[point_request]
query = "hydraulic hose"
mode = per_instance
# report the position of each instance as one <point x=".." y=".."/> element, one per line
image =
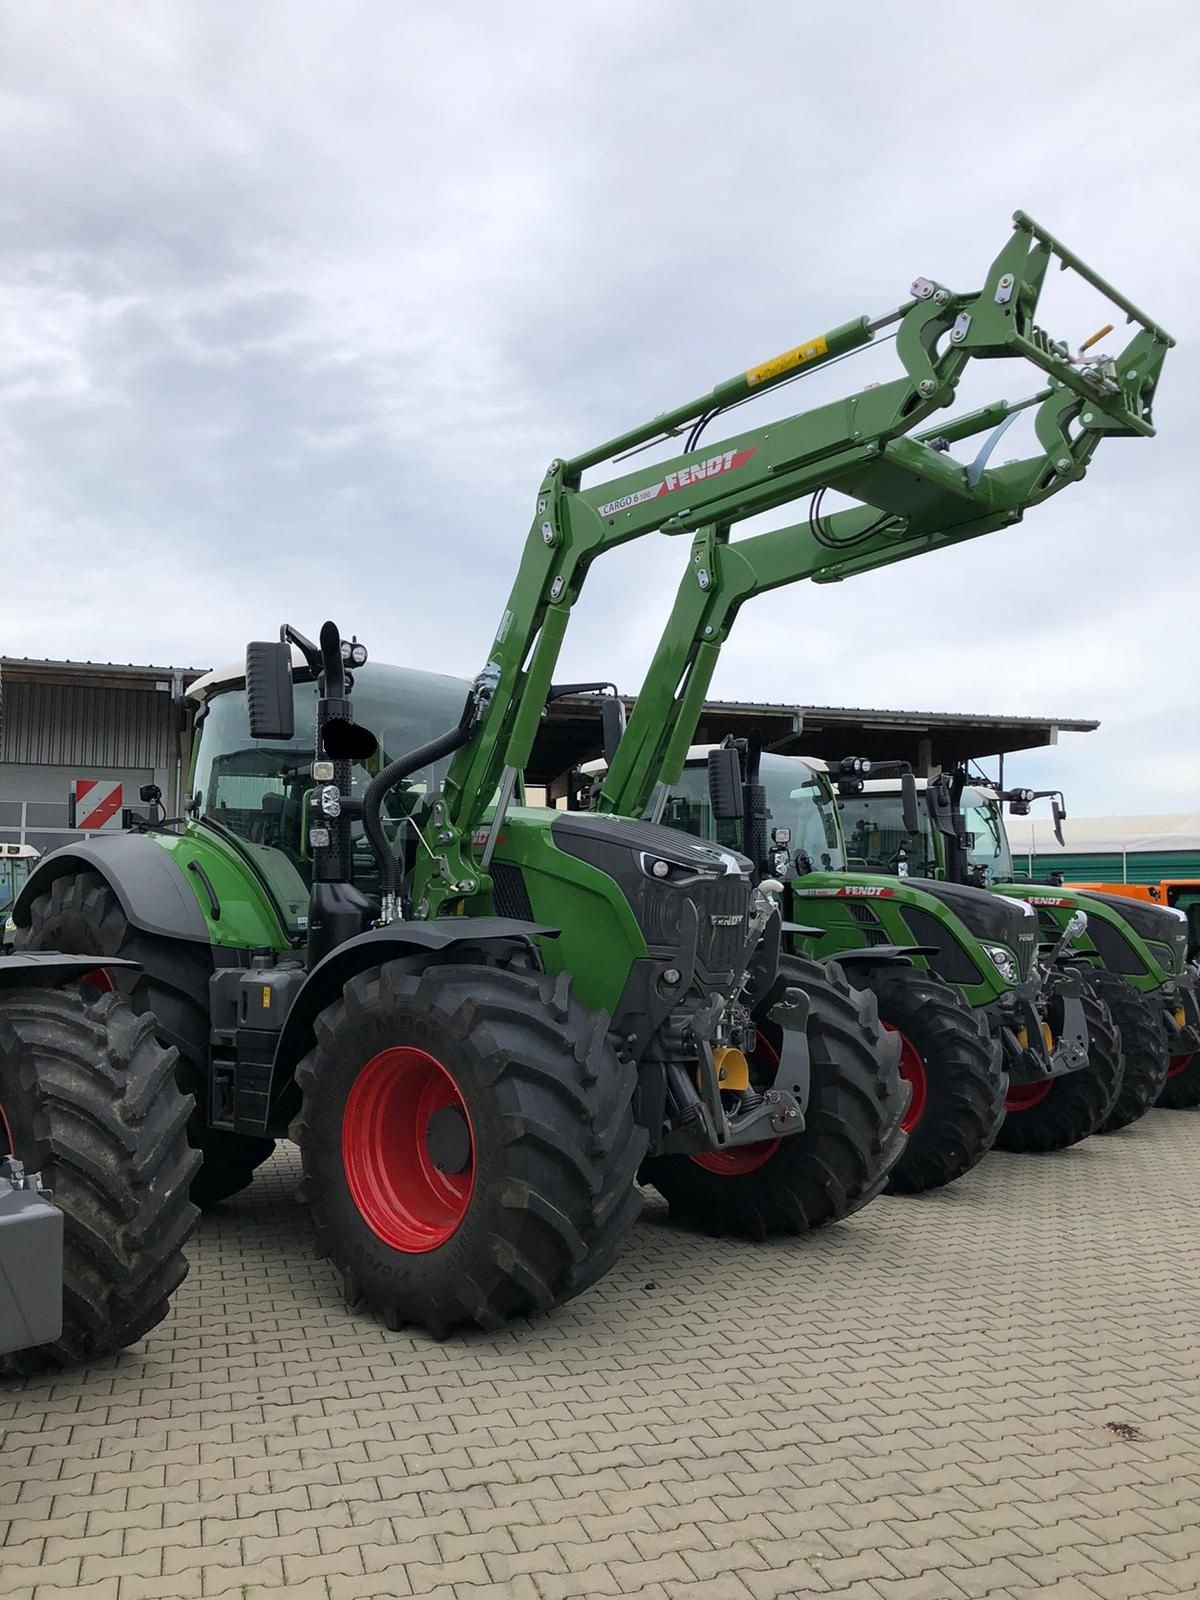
<point x="445" y="744"/>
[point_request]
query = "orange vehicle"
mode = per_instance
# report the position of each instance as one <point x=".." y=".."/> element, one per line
<point x="1183" y="1081"/>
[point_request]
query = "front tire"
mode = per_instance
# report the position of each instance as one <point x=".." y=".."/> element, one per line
<point x="80" y="915"/>
<point x="1063" y="1111"/>
<point x="468" y="1143"/>
<point x="88" y="1098"/>
<point x="1139" y="1022"/>
<point x="1181" y="1091"/>
<point x="852" y="1136"/>
<point x="955" y="1071"/>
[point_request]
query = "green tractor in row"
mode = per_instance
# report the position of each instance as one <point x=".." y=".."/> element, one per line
<point x="985" y="1019"/>
<point x="1135" y="953"/>
<point x="484" y="1022"/>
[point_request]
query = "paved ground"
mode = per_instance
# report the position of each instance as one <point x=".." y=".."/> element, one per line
<point x="991" y="1391"/>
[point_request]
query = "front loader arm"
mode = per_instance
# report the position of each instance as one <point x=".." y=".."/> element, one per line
<point x="912" y="497"/>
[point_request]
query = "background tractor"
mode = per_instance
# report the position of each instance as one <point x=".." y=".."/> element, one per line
<point x="983" y="1025"/>
<point x="1136" y="954"/>
<point x="1182" y="1087"/>
<point x="481" y="1020"/>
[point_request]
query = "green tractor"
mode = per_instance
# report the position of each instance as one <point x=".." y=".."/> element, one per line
<point x="482" y="1021"/>
<point x="1134" y="954"/>
<point x="982" y="1023"/>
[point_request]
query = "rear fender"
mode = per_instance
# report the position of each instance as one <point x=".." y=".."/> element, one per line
<point x="433" y="940"/>
<point x="48" y="968"/>
<point x="152" y="891"/>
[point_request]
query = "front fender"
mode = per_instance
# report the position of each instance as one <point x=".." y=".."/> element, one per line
<point x="324" y="984"/>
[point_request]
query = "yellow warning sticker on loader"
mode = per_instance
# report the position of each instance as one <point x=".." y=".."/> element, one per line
<point x="789" y="359"/>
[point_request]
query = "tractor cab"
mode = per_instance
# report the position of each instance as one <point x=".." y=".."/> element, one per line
<point x="259" y="790"/>
<point x="17" y="861"/>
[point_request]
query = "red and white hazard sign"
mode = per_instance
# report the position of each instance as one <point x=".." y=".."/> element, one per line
<point x="96" y="803"/>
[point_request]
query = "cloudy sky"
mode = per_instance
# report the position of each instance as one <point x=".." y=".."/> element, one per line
<point x="298" y="299"/>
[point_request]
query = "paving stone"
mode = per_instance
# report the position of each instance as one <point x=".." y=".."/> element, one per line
<point x="917" y="1405"/>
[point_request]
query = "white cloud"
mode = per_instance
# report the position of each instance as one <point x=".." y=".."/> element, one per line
<point x="296" y="301"/>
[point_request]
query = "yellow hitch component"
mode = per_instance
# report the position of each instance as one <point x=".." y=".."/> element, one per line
<point x="733" y="1070"/>
<point x="1048" y="1036"/>
<point x="1023" y="1038"/>
<point x="1180" y="1015"/>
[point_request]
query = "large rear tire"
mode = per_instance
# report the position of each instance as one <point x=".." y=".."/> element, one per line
<point x="852" y="1136"/>
<point x="1063" y="1111"/>
<point x="1139" y="1022"/>
<point x="954" y="1069"/>
<point x="468" y="1143"/>
<point x="88" y="1098"/>
<point x="80" y="915"/>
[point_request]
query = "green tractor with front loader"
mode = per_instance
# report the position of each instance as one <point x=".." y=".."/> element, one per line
<point x="483" y="1021"/>
<point x="1134" y="955"/>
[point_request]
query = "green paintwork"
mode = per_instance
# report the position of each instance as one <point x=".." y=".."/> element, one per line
<point x="1063" y="903"/>
<point x="914" y="498"/>
<point x="814" y="904"/>
<point x="249" y="920"/>
<point x="600" y="937"/>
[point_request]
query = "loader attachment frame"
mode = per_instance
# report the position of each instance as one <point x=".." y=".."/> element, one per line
<point x="871" y="446"/>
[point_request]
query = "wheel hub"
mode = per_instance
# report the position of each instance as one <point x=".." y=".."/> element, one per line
<point x="448" y="1140"/>
<point x="1024" y="1096"/>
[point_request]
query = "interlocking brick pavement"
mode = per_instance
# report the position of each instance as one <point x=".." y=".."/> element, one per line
<point x="919" y="1404"/>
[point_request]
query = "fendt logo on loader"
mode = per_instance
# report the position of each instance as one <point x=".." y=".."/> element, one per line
<point x="727" y="461"/>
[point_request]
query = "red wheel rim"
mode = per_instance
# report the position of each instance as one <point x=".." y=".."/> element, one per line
<point x="744" y="1158"/>
<point x="912" y="1070"/>
<point x="1023" y="1096"/>
<point x="1180" y="1064"/>
<point x="403" y="1196"/>
<point x="97" y="978"/>
<point x="8" y="1145"/>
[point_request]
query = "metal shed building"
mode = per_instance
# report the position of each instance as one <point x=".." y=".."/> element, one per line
<point x="78" y="739"/>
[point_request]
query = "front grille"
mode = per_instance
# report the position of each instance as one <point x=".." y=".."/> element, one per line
<point x="659" y="908"/>
<point x="509" y="892"/>
<point x="951" y="963"/>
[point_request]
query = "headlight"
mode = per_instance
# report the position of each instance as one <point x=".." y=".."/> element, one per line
<point x="1004" y="962"/>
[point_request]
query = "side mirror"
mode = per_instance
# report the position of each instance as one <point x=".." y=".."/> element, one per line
<point x="725" y="783"/>
<point x="1059" y="814"/>
<point x="269" y="690"/>
<point x="910" y="809"/>
<point x="612" y="721"/>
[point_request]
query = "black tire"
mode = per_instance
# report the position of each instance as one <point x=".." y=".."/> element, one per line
<point x="548" y="1106"/>
<point x="1181" y="1091"/>
<point x="958" y="1079"/>
<point x="80" y="915"/>
<point x="1076" y="1104"/>
<point x="1139" y="1021"/>
<point x="91" y="1101"/>
<point x="852" y="1136"/>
